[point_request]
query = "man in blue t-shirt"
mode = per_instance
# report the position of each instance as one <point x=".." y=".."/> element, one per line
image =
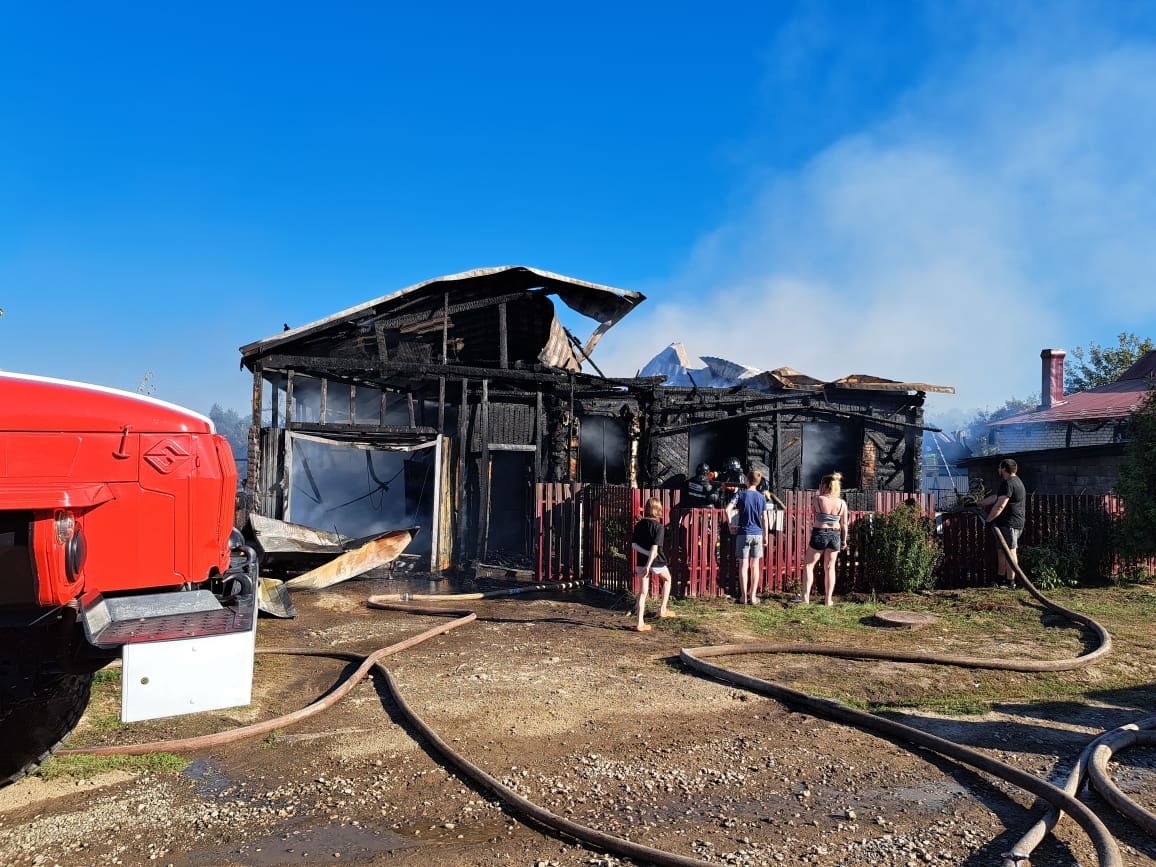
<point x="751" y="531"/>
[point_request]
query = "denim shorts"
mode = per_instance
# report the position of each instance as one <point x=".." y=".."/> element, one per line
<point x="1011" y="535"/>
<point x="749" y="546"/>
<point x="826" y="539"/>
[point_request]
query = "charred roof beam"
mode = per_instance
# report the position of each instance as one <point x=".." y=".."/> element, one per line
<point x="323" y="365"/>
<point x="670" y="431"/>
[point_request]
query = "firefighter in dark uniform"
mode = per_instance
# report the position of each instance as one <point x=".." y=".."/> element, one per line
<point x="700" y="492"/>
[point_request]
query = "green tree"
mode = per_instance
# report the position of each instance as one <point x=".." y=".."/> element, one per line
<point x="233" y="426"/>
<point x="1100" y="365"/>
<point x="1137" y="484"/>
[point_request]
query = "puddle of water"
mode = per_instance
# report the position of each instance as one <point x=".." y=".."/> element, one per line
<point x="312" y="845"/>
<point x="932" y="796"/>
<point x="383" y="582"/>
<point x="210" y="782"/>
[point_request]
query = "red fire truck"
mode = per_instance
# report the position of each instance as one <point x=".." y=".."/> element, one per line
<point x="116" y="539"/>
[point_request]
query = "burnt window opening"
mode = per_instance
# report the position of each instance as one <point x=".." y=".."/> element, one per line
<point x="829" y="447"/>
<point x="603" y="451"/>
<point x="508" y="540"/>
<point x="716" y="444"/>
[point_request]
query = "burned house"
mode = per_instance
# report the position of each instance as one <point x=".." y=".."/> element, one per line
<point x="443" y="404"/>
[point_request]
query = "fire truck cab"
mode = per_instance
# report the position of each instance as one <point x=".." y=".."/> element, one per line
<point x="116" y="540"/>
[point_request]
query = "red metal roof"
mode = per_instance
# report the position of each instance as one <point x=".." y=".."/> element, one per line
<point x="1118" y="399"/>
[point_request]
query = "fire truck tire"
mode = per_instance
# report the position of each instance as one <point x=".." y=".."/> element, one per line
<point x="34" y="726"/>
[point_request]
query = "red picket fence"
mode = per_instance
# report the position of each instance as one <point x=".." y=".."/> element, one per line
<point x="584" y="534"/>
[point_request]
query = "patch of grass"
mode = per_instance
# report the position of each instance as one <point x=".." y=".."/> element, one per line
<point x="107" y="677"/>
<point x="808" y="622"/>
<point x="82" y="767"/>
<point x="969" y="622"/>
<point x="961" y="705"/>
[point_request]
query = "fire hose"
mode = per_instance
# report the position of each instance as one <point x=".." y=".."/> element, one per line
<point x="520" y="805"/>
<point x="1060" y="800"/>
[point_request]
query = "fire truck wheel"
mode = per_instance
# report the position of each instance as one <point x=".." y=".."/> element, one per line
<point x="34" y="726"/>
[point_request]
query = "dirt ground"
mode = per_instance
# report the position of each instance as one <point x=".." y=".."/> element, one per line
<point x="555" y="696"/>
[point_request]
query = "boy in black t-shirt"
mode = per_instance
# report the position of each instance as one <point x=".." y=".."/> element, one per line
<point x="649" y="559"/>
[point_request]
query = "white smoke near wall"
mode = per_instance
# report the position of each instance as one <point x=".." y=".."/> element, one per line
<point x="1001" y="206"/>
<point x="360" y="492"/>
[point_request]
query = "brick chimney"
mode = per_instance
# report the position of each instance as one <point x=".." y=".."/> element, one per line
<point x="1052" y="383"/>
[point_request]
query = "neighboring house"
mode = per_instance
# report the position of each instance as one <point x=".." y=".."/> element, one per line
<point x="1069" y="444"/>
<point x="442" y="404"/>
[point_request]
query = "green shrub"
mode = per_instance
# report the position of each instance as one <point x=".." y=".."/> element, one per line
<point x="1052" y="566"/>
<point x="898" y="551"/>
<point x="1132" y="574"/>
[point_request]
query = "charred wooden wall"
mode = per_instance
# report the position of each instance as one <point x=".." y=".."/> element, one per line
<point x="873" y="438"/>
<point x="542" y="426"/>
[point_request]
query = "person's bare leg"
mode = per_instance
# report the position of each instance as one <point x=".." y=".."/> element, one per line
<point x="663" y="611"/>
<point x="809" y="573"/>
<point x="829" y="558"/>
<point x="744" y="570"/>
<point x="756" y="565"/>
<point x="641" y="610"/>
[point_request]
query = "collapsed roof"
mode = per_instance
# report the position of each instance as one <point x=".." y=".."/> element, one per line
<point x="674" y="363"/>
<point x="497" y="317"/>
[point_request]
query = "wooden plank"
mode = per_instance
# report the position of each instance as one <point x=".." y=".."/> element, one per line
<point x="373" y="554"/>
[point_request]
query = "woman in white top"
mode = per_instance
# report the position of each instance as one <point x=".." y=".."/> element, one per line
<point x="828" y="536"/>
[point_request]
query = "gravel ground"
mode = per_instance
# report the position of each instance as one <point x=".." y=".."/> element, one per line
<point x="556" y="698"/>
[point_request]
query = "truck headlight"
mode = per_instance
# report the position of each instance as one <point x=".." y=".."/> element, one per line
<point x="65" y="527"/>
<point x="68" y="534"/>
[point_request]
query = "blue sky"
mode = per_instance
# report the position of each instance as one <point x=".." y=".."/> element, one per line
<point x="916" y="190"/>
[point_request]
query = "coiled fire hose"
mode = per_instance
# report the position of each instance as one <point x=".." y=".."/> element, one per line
<point x="1060" y="800"/>
<point x="518" y="804"/>
<point x="1092" y="765"/>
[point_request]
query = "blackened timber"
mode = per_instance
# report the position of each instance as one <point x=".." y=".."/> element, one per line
<point x="539" y="420"/>
<point x="446" y="328"/>
<point x="463" y="439"/>
<point x="379" y="334"/>
<point x="419" y="434"/>
<point x="254" y="463"/>
<point x="503" y="342"/>
<point x="441" y="404"/>
<point x="776" y="472"/>
<point x="446" y="310"/>
<point x="483" y="545"/>
<point x="660" y="431"/>
<point x="364" y="366"/>
<point x="578" y="345"/>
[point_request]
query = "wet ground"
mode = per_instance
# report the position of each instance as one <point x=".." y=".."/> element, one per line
<point x="554" y="696"/>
